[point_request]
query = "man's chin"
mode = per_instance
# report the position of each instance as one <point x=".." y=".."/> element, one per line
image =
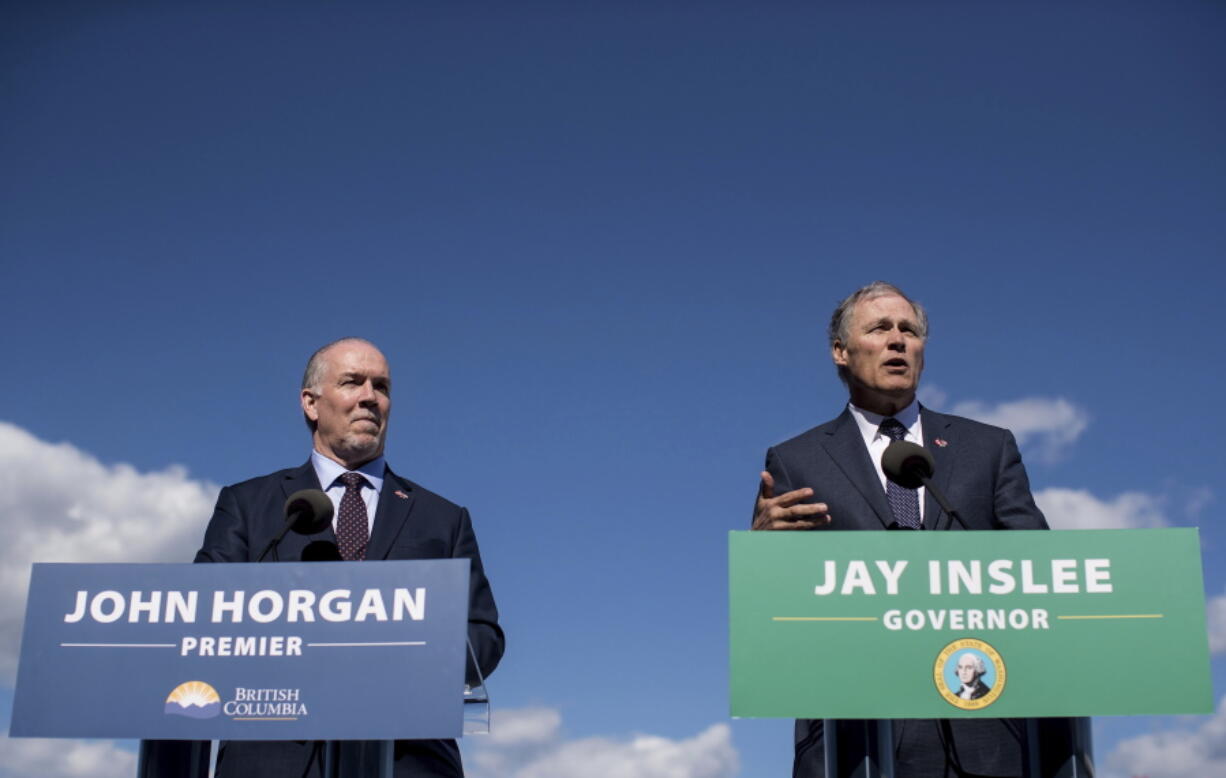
<point x="361" y="448"/>
<point x="899" y="386"/>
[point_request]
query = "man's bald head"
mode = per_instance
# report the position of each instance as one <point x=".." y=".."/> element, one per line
<point x="346" y="400"/>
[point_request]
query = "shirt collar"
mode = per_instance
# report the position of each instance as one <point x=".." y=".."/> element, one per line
<point x="328" y="471"/>
<point x="870" y="423"/>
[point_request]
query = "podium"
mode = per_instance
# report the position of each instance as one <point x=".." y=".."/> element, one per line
<point x="1045" y="628"/>
<point x="352" y="655"/>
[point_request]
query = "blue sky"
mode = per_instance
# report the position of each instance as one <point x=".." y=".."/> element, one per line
<point x="599" y="243"/>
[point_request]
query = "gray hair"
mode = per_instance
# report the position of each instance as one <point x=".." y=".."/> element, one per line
<point x="840" y="321"/>
<point x="314" y="373"/>
<point x="980" y="667"/>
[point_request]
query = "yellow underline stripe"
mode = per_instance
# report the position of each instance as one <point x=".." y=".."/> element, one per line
<point x="1117" y="616"/>
<point x="823" y="618"/>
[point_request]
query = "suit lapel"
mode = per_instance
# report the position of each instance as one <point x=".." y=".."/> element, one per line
<point x="846" y="447"/>
<point x="395" y="502"/>
<point x="936" y="428"/>
<point x="302" y="478"/>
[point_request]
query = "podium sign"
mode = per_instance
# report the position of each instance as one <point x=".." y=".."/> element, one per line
<point x="292" y="651"/>
<point x="967" y="624"/>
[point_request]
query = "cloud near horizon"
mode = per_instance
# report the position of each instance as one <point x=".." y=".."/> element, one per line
<point x="528" y="743"/>
<point x="1216" y="608"/>
<point x="1194" y="751"/>
<point x="54" y="758"/>
<point x="60" y="504"/>
<point x="1079" y="509"/>
<point x="1045" y="427"/>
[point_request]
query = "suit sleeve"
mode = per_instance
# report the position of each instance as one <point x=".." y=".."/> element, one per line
<point x="778" y="471"/>
<point x="486" y="637"/>
<point x="225" y="538"/>
<point x="1014" y="504"/>
<point x="783" y="482"/>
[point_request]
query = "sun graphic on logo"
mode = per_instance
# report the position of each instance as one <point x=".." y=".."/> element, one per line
<point x="194" y="699"/>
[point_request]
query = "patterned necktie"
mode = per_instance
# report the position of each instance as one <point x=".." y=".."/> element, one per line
<point x="904" y="502"/>
<point x="352" y="533"/>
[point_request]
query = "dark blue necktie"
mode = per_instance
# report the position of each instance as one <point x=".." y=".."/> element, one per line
<point x="904" y="502"/>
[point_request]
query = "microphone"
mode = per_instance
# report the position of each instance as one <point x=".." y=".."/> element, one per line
<point x="307" y="512"/>
<point x="911" y="466"/>
<point x="907" y="464"/>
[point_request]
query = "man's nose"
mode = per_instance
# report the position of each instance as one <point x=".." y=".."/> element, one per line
<point x="896" y="341"/>
<point x="367" y="395"/>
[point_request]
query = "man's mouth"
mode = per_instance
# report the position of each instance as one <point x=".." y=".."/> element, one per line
<point x="896" y="363"/>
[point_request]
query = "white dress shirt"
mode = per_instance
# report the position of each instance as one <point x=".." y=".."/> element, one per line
<point x="870" y="430"/>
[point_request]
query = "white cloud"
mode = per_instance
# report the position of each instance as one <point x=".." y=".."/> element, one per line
<point x="1196" y="751"/>
<point x="42" y="758"/>
<point x="524" y="727"/>
<point x="1044" y="426"/>
<point x="1078" y="509"/>
<point x="61" y="504"/>
<point x="527" y="743"/>
<point x="1216" y="611"/>
<point x="932" y="396"/>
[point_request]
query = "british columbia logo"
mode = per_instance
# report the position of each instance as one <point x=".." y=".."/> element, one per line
<point x="194" y="699"/>
<point x="198" y="700"/>
<point x="969" y="674"/>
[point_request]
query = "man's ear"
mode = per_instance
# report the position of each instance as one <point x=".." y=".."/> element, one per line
<point x="839" y="353"/>
<point x="307" y="399"/>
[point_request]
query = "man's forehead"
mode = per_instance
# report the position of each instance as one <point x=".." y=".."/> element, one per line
<point x="886" y="306"/>
<point x="355" y="356"/>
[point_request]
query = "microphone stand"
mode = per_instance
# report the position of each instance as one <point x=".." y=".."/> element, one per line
<point x="940" y="498"/>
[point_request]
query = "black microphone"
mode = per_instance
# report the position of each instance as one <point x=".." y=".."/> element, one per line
<point x="307" y="512"/>
<point x="911" y="466"/>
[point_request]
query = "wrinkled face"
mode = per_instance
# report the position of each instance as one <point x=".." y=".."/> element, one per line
<point x="350" y="405"/>
<point x="884" y="353"/>
<point x="966" y="669"/>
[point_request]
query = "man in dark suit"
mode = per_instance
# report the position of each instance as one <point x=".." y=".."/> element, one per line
<point x="830" y="478"/>
<point x="346" y="399"/>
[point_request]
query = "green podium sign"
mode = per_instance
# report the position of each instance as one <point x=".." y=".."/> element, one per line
<point x="967" y="624"/>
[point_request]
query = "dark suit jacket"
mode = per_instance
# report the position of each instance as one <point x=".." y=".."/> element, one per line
<point x="980" y="471"/>
<point x="417" y="525"/>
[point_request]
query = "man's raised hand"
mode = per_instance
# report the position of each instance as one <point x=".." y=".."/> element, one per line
<point x="786" y="511"/>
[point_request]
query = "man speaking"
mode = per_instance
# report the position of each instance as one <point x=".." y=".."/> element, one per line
<point x="346" y="399"/>
<point x="830" y="478"/>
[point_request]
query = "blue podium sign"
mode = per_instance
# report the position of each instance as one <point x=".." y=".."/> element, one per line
<point x="291" y="651"/>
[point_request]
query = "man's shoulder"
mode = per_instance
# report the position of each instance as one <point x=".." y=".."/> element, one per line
<point x="262" y="481"/>
<point x="421" y="494"/>
<point x="393" y="483"/>
<point x="935" y="422"/>
<point x="813" y="436"/>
